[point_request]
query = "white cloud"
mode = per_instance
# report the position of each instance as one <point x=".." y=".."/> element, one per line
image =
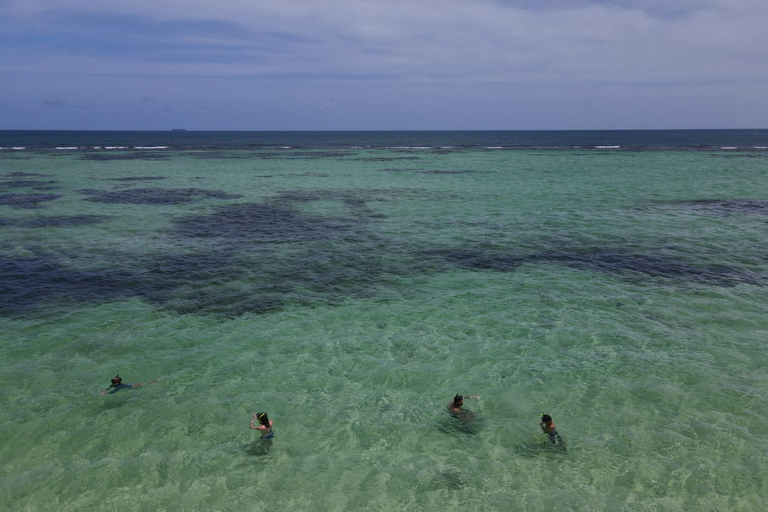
<point x="459" y="41"/>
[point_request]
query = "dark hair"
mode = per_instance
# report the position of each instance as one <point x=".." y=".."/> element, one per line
<point x="263" y="419"/>
<point x="457" y="399"/>
<point x="116" y="380"/>
<point x="546" y="418"/>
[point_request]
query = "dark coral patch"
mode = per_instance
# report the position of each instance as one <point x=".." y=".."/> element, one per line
<point x="255" y="278"/>
<point x="449" y="172"/>
<point x="385" y="158"/>
<point x="428" y="171"/>
<point x="479" y="259"/>
<point x="155" y="196"/>
<point x="26" y="175"/>
<point x="28" y="282"/>
<point x="627" y="263"/>
<point x="270" y="155"/>
<point x="221" y="282"/>
<point x="740" y="155"/>
<point x="280" y="220"/>
<point x="31" y="184"/>
<point x="108" y="157"/>
<point x="727" y="206"/>
<point x="207" y="283"/>
<point x="137" y="178"/>
<point x="356" y="201"/>
<point x="60" y="221"/>
<point x="260" y="222"/>
<point x="26" y="200"/>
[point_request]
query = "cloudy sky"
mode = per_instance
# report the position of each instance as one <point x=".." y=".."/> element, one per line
<point x="383" y="64"/>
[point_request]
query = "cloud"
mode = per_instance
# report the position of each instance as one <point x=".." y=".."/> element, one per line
<point x="53" y="102"/>
<point x="449" y="41"/>
<point x="622" y="48"/>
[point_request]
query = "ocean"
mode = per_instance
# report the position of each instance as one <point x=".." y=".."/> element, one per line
<point x="350" y="284"/>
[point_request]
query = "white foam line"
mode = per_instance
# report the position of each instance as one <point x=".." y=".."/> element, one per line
<point x="68" y="148"/>
<point x="151" y="147"/>
<point x="607" y="147"/>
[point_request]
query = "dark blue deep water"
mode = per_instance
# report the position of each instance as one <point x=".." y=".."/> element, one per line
<point x="178" y="140"/>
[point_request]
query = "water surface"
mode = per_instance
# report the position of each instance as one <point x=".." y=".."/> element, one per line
<point x="350" y="284"/>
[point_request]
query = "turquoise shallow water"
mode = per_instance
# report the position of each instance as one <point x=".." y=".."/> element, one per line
<point x="350" y="294"/>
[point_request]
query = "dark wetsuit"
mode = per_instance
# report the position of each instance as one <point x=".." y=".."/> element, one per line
<point x="460" y="413"/>
<point x="554" y="437"/>
<point x="114" y="389"/>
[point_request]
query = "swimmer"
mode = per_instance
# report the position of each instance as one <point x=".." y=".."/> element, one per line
<point x="117" y="385"/>
<point x="265" y="425"/>
<point x="548" y="426"/>
<point x="456" y="406"/>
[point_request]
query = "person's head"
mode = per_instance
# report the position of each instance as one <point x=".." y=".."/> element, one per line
<point x="546" y="418"/>
<point x="116" y="380"/>
<point x="458" y="400"/>
<point x="263" y="419"/>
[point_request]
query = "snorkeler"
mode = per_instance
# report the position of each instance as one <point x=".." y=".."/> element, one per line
<point x="456" y="406"/>
<point x="117" y="385"/>
<point x="548" y="426"/>
<point x="265" y="425"/>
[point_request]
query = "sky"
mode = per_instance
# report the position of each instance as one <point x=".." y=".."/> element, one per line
<point x="383" y="64"/>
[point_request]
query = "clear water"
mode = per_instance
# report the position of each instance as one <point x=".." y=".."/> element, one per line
<point x="350" y="287"/>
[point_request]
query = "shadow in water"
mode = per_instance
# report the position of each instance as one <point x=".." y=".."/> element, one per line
<point x="109" y="404"/>
<point x="258" y="448"/>
<point x="543" y="446"/>
<point x="468" y="423"/>
<point x="450" y="479"/>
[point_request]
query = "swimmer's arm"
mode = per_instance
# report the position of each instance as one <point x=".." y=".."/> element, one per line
<point x="139" y="384"/>
<point x="474" y="397"/>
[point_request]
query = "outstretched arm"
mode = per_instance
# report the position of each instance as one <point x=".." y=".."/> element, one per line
<point x="474" y="397"/>
<point x="139" y="384"/>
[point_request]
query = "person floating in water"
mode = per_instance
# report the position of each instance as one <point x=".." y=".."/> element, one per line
<point x="117" y="385"/>
<point x="548" y="426"/>
<point x="456" y="407"/>
<point x="265" y="425"/>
